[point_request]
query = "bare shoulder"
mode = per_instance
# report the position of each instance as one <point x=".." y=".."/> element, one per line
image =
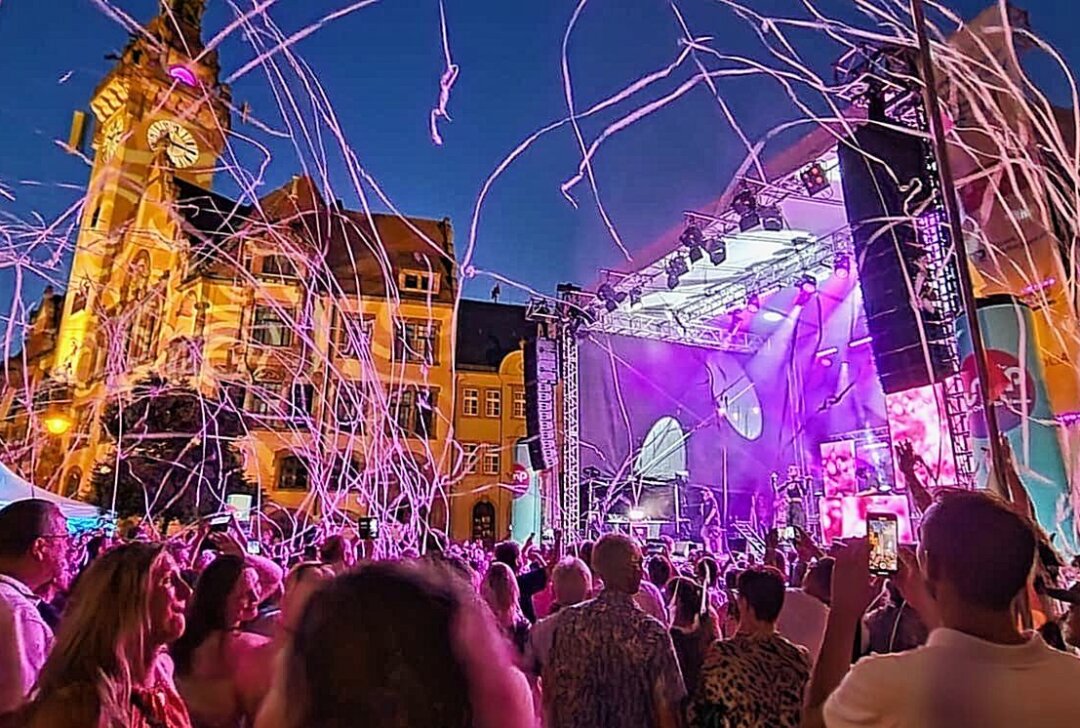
<point x="75" y="707"/>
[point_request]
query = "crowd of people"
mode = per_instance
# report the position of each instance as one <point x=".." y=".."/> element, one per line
<point x="974" y="630"/>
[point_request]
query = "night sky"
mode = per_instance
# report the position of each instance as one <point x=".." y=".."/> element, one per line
<point x="381" y="67"/>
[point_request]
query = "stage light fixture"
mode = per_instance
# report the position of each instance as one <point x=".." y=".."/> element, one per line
<point x="696" y="254"/>
<point x="672" y="281"/>
<point x="717" y="249"/>
<point x="860" y="342"/>
<point x="771" y="219"/>
<point x="678" y="266"/>
<point x="842" y="265"/>
<point x="814" y="179"/>
<point x="635" y="296"/>
<point x="753" y="303"/>
<point x="749" y="221"/>
<point x="807" y="283"/>
<point x="611" y="298"/>
<point x="744" y="204"/>
<point x="773" y="316"/>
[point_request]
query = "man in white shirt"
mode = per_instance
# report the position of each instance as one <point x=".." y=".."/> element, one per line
<point x="802" y="620"/>
<point x="978" y="668"/>
<point x="33" y="552"/>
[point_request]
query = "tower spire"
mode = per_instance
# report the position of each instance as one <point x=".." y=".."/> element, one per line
<point x="179" y="24"/>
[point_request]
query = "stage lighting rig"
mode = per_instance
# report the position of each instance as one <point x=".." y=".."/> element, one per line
<point x="807" y="286"/>
<point x="693" y="239"/>
<point x="744" y="204"/>
<point x="717" y="250"/>
<point x="635" y="296"/>
<point x="842" y="265"/>
<point x="814" y="179"/>
<point x="610" y="296"/>
<point x="753" y="303"/>
<point x="771" y="218"/>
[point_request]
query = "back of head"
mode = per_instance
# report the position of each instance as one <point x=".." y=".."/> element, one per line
<point x="22" y="522"/>
<point x="332" y="550"/>
<point x="571" y="581"/>
<point x="106" y="619"/>
<point x="707" y="570"/>
<point x="659" y="569"/>
<point x="509" y="553"/>
<point x="584" y="551"/>
<point x="763" y="589"/>
<point x="376" y="647"/>
<point x="974" y="542"/>
<point x="611" y="560"/>
<point x="500" y="590"/>
<point x="206" y="610"/>
<point x="685" y="595"/>
<point x="818" y="580"/>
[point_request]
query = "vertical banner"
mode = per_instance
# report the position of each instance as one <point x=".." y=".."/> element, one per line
<point x="525" y="509"/>
<point x="1018" y="390"/>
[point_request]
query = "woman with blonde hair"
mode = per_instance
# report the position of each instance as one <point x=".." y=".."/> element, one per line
<point x="500" y="591"/>
<point x="107" y="668"/>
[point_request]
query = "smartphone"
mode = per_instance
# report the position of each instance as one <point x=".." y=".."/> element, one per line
<point x="368" y="527"/>
<point x="254" y="548"/>
<point x="654" y="547"/>
<point x="787" y="533"/>
<point x="883" y="533"/>
<point x="219" y="523"/>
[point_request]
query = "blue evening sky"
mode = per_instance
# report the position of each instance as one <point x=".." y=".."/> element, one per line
<point x="381" y="65"/>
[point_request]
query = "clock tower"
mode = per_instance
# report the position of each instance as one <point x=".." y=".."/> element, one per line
<point x="161" y="106"/>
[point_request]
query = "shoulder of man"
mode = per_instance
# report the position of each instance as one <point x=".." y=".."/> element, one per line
<point x="872" y="686"/>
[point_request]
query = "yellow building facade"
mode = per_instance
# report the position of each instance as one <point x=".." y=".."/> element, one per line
<point x="332" y="331"/>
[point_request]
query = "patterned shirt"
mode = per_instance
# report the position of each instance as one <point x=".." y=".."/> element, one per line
<point x="25" y="641"/>
<point x="751" y="682"/>
<point x="609" y="663"/>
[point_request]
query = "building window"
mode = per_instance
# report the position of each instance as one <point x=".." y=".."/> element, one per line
<point x="492" y="403"/>
<point x="72" y="482"/>
<point x="354" y="335"/>
<point x="470" y="402"/>
<point x="417" y="342"/>
<point x="415" y="281"/>
<point x="517" y="410"/>
<point x="292" y="474"/>
<point x="277" y="267"/>
<point x="277" y="400"/>
<point x="413" y="411"/>
<point x="350" y="407"/>
<point x="470" y="453"/>
<point x="266" y="399"/>
<point x="491" y="461"/>
<point x="270" y="327"/>
<point x="483" y="522"/>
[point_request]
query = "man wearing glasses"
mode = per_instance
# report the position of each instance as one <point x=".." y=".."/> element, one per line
<point x="33" y="552"/>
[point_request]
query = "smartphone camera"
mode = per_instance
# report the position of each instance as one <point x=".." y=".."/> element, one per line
<point x="883" y="534"/>
<point x="220" y="523"/>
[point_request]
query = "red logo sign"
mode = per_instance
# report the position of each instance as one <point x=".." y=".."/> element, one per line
<point x="1011" y="388"/>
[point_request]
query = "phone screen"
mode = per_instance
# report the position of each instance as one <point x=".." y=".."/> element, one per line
<point x="368" y="527"/>
<point x="883" y="533"/>
<point x="787" y="533"/>
<point x="254" y="548"/>
<point x="219" y="523"/>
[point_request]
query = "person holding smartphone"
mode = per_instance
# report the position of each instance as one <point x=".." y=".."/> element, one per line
<point x="978" y="668"/>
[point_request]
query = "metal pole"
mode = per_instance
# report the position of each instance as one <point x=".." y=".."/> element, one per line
<point x="952" y="208"/>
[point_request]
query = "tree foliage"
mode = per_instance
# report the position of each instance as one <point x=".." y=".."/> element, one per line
<point x="176" y="455"/>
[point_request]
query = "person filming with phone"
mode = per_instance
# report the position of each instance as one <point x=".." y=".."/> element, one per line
<point x="978" y="667"/>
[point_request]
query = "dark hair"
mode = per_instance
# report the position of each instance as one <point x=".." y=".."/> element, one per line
<point x="686" y="594"/>
<point x="660" y="570"/>
<point x="332" y="549"/>
<point x="374" y="647"/>
<point x="22" y="522"/>
<point x="509" y="553"/>
<point x="206" y="610"/>
<point x="707" y="569"/>
<point x="763" y="589"/>
<point x="974" y="541"/>
<point x="585" y="553"/>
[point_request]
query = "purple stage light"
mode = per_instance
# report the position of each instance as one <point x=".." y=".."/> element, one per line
<point x="184" y="75"/>
<point x="842" y="265"/>
<point x="807" y="284"/>
<point x="825" y="362"/>
<point x="860" y="342"/>
<point x="826" y="352"/>
<point x="773" y="316"/>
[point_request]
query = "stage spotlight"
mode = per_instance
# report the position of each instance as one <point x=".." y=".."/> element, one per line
<point x="807" y="283"/>
<point x="611" y="298"/>
<point x="771" y="219"/>
<point x="635" y="296"/>
<point x="672" y="281"/>
<point x="749" y="221"/>
<point x="814" y="179"/>
<point x="693" y="239"/>
<point x="696" y="254"/>
<point x="753" y="303"/>
<point x="842" y="265"/>
<point x="744" y="204"/>
<point x="773" y="316"/>
<point x="678" y="266"/>
<point x="717" y="249"/>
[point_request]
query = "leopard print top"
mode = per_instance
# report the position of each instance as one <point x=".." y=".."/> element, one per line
<point x="750" y="682"/>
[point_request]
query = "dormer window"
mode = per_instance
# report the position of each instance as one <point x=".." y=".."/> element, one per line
<point x="416" y="281"/>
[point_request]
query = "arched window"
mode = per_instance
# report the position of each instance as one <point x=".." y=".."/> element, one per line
<point x="72" y="483"/>
<point x="292" y="473"/>
<point x="483" y="521"/>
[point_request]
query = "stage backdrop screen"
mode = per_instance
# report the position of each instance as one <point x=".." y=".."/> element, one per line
<point x="658" y="410"/>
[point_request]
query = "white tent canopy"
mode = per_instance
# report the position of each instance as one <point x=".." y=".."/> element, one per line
<point x="13" y="488"/>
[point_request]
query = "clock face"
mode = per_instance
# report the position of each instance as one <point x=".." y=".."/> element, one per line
<point x="180" y="145"/>
<point x="111" y="136"/>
